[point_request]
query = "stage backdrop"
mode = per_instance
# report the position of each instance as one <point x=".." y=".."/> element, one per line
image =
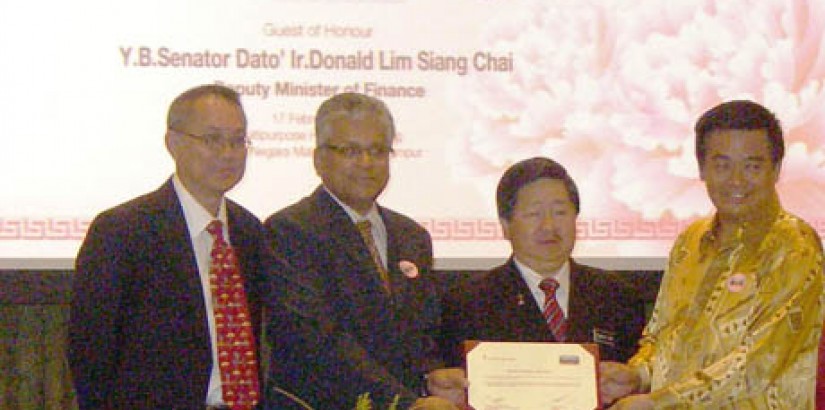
<point x="609" y="88"/>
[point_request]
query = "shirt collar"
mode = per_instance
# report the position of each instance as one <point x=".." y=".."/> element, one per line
<point x="748" y="232"/>
<point x="197" y="217"/>
<point x="533" y="278"/>
<point x="371" y="215"/>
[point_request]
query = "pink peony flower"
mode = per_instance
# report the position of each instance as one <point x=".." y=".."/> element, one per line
<point x="612" y="89"/>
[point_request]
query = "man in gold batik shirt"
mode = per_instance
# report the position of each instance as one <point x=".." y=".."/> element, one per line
<point x="739" y="313"/>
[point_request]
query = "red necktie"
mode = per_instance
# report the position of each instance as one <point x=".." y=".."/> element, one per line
<point x="365" y="228"/>
<point x="552" y="310"/>
<point x="236" y="343"/>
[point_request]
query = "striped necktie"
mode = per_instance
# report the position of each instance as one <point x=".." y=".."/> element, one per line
<point x="552" y="310"/>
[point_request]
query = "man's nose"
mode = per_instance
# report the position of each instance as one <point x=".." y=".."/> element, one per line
<point x="737" y="175"/>
<point x="547" y="220"/>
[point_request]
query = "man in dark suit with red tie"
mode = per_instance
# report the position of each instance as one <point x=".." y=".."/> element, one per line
<point x="147" y="316"/>
<point x="363" y="321"/>
<point x="538" y="204"/>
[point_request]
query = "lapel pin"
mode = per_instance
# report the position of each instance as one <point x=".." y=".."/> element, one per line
<point x="736" y="282"/>
<point x="408" y="269"/>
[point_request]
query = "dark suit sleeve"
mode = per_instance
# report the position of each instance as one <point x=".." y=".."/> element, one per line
<point x="430" y="314"/>
<point x="454" y="324"/>
<point x="621" y="309"/>
<point x="311" y="356"/>
<point x="635" y="319"/>
<point x="93" y="322"/>
<point x="421" y="312"/>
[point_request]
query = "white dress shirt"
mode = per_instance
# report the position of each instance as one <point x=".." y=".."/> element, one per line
<point x="533" y="279"/>
<point x="197" y="219"/>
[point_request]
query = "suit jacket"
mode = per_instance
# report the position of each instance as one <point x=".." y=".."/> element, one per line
<point x="498" y="306"/>
<point x="343" y="334"/>
<point x="138" y="331"/>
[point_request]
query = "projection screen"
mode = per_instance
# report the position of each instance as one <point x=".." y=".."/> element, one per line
<point x="610" y="89"/>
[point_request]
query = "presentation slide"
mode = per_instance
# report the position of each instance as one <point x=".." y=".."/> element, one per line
<point x="610" y="89"/>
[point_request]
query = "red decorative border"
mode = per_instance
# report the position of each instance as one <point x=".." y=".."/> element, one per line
<point x="43" y="229"/>
<point x="586" y="229"/>
<point x="607" y="229"/>
<point x="479" y="229"/>
<point x="463" y="229"/>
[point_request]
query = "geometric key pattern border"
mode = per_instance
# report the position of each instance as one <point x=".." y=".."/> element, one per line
<point x="40" y="229"/>
<point x="441" y="229"/>
<point x="586" y="229"/>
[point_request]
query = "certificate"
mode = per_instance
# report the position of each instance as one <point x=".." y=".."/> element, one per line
<point x="532" y="376"/>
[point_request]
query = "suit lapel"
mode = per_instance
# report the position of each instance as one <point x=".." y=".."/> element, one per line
<point x="250" y="253"/>
<point x="530" y="322"/>
<point x="246" y="251"/>
<point x="348" y="248"/>
<point x="395" y="248"/>
<point x="404" y="289"/>
<point x="175" y="250"/>
<point x="580" y="305"/>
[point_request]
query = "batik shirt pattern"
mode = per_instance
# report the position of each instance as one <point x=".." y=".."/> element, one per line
<point x="736" y="324"/>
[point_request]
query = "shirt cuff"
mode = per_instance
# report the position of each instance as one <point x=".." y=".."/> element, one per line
<point x="664" y="398"/>
<point x="644" y="378"/>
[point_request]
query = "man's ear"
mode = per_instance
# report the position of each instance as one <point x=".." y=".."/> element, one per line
<point x="505" y="228"/>
<point x="776" y="168"/>
<point x="317" y="163"/>
<point x="171" y="143"/>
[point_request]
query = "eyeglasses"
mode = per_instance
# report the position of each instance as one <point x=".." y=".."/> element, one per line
<point x="215" y="142"/>
<point x="354" y="151"/>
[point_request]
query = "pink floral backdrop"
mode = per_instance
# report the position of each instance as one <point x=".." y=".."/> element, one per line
<point x="611" y="89"/>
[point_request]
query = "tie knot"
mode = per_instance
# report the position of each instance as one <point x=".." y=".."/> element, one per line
<point x="215" y="228"/>
<point x="364" y="226"/>
<point x="549" y="286"/>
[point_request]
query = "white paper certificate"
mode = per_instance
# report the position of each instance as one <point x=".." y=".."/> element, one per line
<point x="532" y="376"/>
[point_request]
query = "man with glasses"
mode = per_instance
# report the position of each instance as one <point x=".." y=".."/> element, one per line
<point x="150" y="313"/>
<point x="363" y="321"/>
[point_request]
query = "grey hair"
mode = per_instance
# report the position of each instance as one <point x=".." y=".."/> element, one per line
<point x="181" y="108"/>
<point x="351" y="106"/>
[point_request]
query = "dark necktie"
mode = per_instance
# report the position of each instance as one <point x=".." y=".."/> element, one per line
<point x="552" y="310"/>
<point x="365" y="228"/>
<point x="236" y="343"/>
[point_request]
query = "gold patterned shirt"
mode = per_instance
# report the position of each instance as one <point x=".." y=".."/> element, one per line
<point x="737" y="322"/>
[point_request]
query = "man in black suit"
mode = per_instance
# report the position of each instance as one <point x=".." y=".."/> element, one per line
<point x="142" y="328"/>
<point x="363" y="320"/>
<point x="538" y="204"/>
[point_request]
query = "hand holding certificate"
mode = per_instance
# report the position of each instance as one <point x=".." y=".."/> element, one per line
<point x="527" y="376"/>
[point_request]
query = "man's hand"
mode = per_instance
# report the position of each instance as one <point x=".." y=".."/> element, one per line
<point x="635" y="402"/>
<point x="616" y="380"/>
<point x="449" y="384"/>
